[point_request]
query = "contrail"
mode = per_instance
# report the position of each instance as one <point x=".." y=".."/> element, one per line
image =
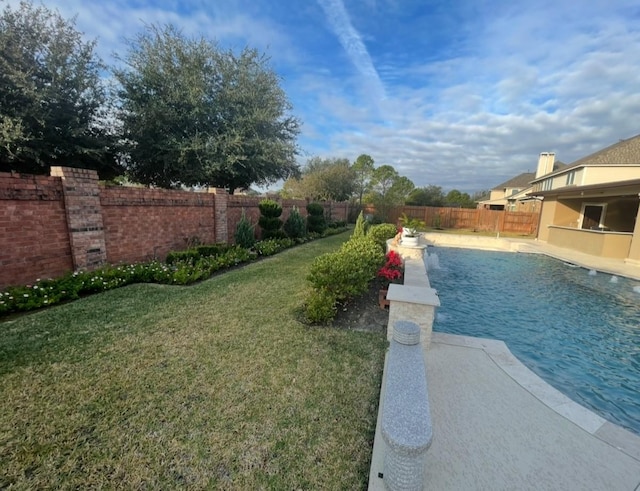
<point x="352" y="43"/>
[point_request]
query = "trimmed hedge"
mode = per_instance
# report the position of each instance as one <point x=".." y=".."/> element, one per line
<point x="381" y="233"/>
<point x="341" y="275"/>
<point x="315" y="218"/>
<point x="269" y="220"/>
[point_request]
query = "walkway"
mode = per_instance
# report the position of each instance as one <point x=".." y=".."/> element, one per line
<point x="497" y="425"/>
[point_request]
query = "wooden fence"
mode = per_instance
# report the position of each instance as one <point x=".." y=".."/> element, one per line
<point x="480" y="220"/>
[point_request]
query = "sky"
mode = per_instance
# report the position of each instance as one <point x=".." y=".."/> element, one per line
<point x="462" y="94"/>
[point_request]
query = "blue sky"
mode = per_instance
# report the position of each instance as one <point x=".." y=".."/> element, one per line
<point x="456" y="93"/>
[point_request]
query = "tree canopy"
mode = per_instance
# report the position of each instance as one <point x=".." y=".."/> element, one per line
<point x="53" y="103"/>
<point x="363" y="168"/>
<point x="196" y="114"/>
<point x="331" y="178"/>
<point x="457" y="198"/>
<point x="388" y="189"/>
<point x="426" y="196"/>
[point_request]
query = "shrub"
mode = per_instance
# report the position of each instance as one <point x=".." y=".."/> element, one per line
<point x="320" y="307"/>
<point x="337" y="224"/>
<point x="269" y="221"/>
<point x="366" y="253"/>
<point x="316" y="222"/>
<point x="360" y="230"/>
<point x="192" y="255"/>
<point x="295" y="226"/>
<point x="315" y="209"/>
<point x="381" y="233"/>
<point x="270" y="208"/>
<point x="270" y="247"/>
<point x="348" y="271"/>
<point x="245" y="232"/>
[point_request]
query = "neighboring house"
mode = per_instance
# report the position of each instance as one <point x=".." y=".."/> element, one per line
<point x="512" y="195"/>
<point x="592" y="204"/>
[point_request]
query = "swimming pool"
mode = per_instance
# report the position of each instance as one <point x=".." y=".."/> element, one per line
<point x="577" y="329"/>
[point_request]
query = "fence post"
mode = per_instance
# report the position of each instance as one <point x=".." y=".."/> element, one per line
<point x="84" y="216"/>
<point x="501" y="221"/>
<point x="221" y="204"/>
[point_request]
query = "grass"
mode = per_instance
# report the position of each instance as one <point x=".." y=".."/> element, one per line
<point x="212" y="386"/>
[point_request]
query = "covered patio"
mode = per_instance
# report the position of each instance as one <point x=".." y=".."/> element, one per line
<point x="599" y="219"/>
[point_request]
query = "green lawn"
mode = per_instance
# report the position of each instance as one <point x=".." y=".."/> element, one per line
<point x="215" y="385"/>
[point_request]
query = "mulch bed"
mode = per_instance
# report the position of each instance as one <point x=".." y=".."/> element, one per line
<point x="363" y="313"/>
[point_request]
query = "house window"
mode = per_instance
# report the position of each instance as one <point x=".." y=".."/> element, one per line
<point x="571" y="177"/>
<point x="593" y="216"/>
<point x="546" y="185"/>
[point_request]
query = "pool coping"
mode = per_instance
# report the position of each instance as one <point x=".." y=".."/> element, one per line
<point x="594" y="424"/>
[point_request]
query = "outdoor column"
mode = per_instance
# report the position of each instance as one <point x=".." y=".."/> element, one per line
<point x="84" y="216"/>
<point x="221" y="203"/>
<point x="634" y="249"/>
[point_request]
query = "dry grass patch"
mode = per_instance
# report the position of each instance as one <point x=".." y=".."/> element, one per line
<point x="211" y="386"/>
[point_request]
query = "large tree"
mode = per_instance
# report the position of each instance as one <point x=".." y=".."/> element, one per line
<point x="388" y="189"/>
<point x="196" y="114"/>
<point x="330" y="178"/>
<point x="363" y="168"/>
<point x="53" y="103"/>
<point x="427" y="196"/>
<point x="457" y="198"/>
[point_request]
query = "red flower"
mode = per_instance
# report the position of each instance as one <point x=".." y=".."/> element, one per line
<point x="392" y="270"/>
<point x="393" y="260"/>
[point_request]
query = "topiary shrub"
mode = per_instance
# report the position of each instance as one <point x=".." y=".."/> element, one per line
<point x="316" y="222"/>
<point x="269" y="221"/>
<point x="245" y="232"/>
<point x="295" y="226"/>
<point x="381" y="233"/>
<point x="360" y="230"/>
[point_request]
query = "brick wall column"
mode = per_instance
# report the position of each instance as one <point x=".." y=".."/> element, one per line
<point x="84" y="216"/>
<point x="221" y="203"/>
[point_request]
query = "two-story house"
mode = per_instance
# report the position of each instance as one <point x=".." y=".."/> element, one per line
<point x="512" y="195"/>
<point x="591" y="205"/>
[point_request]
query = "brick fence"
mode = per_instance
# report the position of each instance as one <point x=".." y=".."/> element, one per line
<point x="50" y="225"/>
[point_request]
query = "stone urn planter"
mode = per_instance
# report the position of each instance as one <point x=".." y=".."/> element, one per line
<point x="409" y="241"/>
<point x="410" y="234"/>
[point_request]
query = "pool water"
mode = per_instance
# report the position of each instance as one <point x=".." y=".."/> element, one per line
<point x="577" y="329"/>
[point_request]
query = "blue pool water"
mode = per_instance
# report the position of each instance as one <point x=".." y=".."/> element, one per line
<point x="577" y="329"/>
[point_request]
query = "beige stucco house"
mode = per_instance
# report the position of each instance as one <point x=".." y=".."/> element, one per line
<point x="513" y="195"/>
<point x="591" y="205"/>
<point x="502" y="196"/>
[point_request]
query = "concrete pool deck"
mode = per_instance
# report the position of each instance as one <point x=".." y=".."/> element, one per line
<point x="497" y="425"/>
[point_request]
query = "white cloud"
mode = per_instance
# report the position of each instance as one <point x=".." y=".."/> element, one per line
<point x="352" y="43"/>
<point x="465" y="106"/>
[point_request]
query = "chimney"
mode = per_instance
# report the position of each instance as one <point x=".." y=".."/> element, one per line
<point x="545" y="164"/>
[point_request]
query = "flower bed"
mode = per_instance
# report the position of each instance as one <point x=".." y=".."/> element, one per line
<point x="180" y="268"/>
